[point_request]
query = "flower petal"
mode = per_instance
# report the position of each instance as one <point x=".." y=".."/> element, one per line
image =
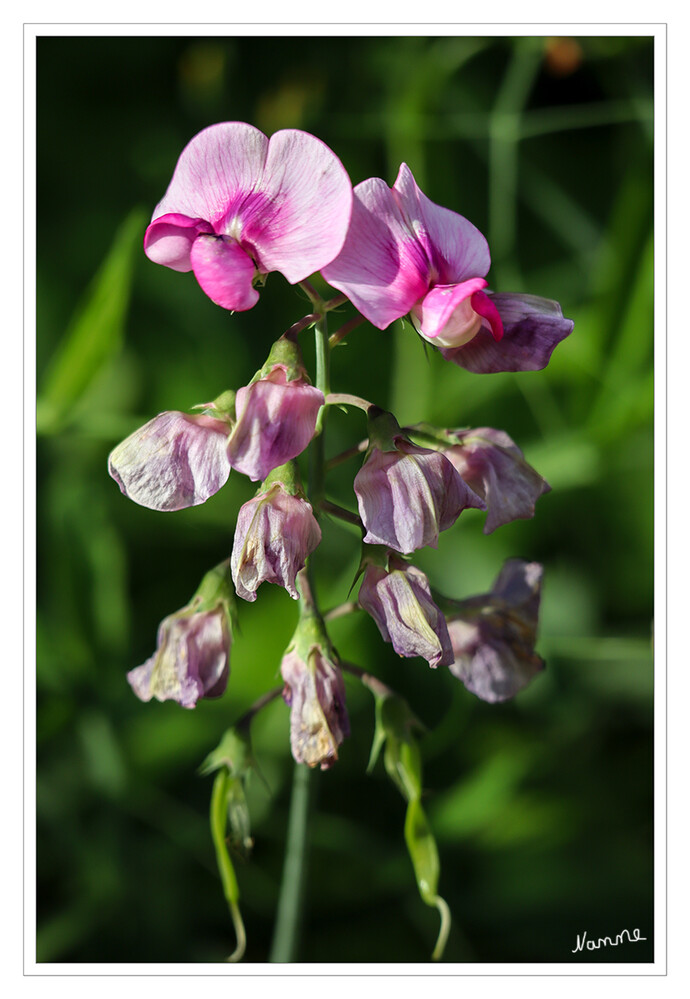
<point x="455" y="248"/>
<point x="225" y="272"/>
<point x="216" y="169"/>
<point x="302" y="224"/>
<point x="495" y="468"/>
<point x="173" y="461"/>
<point x="382" y="268"/>
<point x="442" y="316"/>
<point x="532" y="328"/>
<point x="169" y="240"/>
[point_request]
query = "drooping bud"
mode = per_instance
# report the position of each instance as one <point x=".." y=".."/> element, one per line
<point x="192" y="659"/>
<point x="276" y="414"/>
<point x="399" y="600"/>
<point x="276" y="532"/>
<point x="407" y="494"/>
<point x="495" y="468"/>
<point x="493" y="635"/>
<point x="173" y="461"/>
<point x="314" y="692"/>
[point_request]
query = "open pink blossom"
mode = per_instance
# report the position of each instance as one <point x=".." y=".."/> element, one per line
<point x="405" y="255"/>
<point x="240" y="205"/>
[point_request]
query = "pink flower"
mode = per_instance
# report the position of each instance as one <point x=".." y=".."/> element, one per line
<point x="400" y="602"/>
<point x="276" y="419"/>
<point x="240" y="205"/>
<point x="276" y="532"/>
<point x="407" y="494"/>
<point x="173" y="461"/>
<point x="315" y="692"/>
<point x="406" y="255"/>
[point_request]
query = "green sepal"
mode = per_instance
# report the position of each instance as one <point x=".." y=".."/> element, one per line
<point x="287" y="476"/>
<point x="216" y="589"/>
<point x="287" y="353"/>
<point x="383" y="429"/>
<point x="395" y="728"/>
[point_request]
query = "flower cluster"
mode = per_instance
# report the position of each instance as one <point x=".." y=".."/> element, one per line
<point x="238" y="207"/>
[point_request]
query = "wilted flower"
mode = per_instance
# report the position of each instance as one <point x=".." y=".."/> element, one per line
<point x="315" y="693"/>
<point x="407" y="494"/>
<point x="276" y="419"/>
<point x="173" y="461"/>
<point x="276" y="532"/>
<point x="240" y="205"/>
<point x="400" y="602"/>
<point x="494" y="635"/>
<point x="404" y="254"/>
<point x="494" y="468"/>
<point x="192" y="659"/>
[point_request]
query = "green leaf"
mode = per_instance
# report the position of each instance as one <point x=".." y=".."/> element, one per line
<point x="95" y="331"/>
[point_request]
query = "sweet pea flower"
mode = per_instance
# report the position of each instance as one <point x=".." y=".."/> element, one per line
<point x="276" y="419"/>
<point x="276" y="532"/>
<point x="192" y="658"/>
<point x="398" y="597"/>
<point x="407" y="494"/>
<point x="173" y="461"/>
<point x="315" y="693"/>
<point x="495" y="468"/>
<point x="406" y="255"/>
<point x="493" y="636"/>
<point x="240" y="205"/>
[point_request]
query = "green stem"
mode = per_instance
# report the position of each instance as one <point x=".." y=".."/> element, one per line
<point x="219" y="821"/>
<point x="288" y="921"/>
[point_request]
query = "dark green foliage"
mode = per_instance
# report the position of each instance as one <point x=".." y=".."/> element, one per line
<point x="541" y="808"/>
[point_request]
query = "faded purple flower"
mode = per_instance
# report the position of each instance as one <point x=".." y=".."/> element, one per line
<point x="532" y="328"/>
<point x="276" y="419"/>
<point x="192" y="659"/>
<point x="276" y="532"/>
<point x="404" y="254"/>
<point x="240" y="205"/>
<point x="493" y="636"/>
<point x="407" y="496"/>
<point x="173" y="461"/>
<point x="401" y="604"/>
<point x="494" y="468"/>
<point x="315" y="693"/>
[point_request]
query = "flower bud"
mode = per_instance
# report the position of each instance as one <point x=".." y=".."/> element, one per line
<point x="400" y="602"/>
<point x="407" y="494"/>
<point x="276" y="532"/>
<point x="192" y="659"/>
<point x="173" y="461"/>
<point x="276" y="419"/>
<point x="493" y="636"/>
<point x="315" y="693"/>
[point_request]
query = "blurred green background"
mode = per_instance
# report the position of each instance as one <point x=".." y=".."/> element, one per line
<point x="542" y="807"/>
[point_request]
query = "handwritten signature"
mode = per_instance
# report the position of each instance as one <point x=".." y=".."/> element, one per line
<point x="583" y="943"/>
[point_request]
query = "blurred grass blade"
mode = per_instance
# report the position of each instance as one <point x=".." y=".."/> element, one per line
<point x="94" y="333"/>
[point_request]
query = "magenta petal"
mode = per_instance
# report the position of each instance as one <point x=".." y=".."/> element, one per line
<point x="382" y="268"/>
<point x="276" y="419"/>
<point x="315" y="693"/>
<point x="485" y="308"/>
<point x="446" y="311"/>
<point x="217" y="167"/>
<point x="225" y="272"/>
<point x="307" y="200"/>
<point x="172" y="462"/>
<point x="169" y="239"/>
<point x="532" y="328"/>
<point x="456" y="248"/>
